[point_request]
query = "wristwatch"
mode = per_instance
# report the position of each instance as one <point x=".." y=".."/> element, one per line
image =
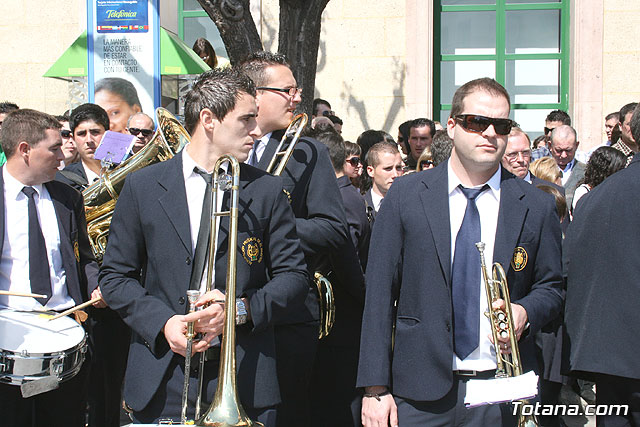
<point x="241" y="312"/>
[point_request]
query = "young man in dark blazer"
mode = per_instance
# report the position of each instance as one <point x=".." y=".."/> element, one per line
<point x="310" y="184"/>
<point x="427" y="229"/>
<point x="149" y="260"/>
<point x="32" y="143"/>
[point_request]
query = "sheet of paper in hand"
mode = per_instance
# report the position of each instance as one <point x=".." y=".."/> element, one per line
<point x="499" y="390"/>
<point x="114" y="147"/>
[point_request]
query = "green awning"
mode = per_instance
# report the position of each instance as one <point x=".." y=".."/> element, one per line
<point x="175" y="58"/>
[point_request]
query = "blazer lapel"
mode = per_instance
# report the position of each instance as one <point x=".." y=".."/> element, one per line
<point x="511" y="217"/>
<point x="435" y="202"/>
<point x="172" y="181"/>
<point x="269" y="151"/>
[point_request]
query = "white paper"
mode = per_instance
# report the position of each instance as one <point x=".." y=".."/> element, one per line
<point x="499" y="390"/>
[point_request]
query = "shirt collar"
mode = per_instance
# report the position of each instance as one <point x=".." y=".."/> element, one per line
<point x="13" y="187"/>
<point x="494" y="181"/>
<point x="527" y="177"/>
<point x="188" y="164"/>
<point x="569" y="166"/>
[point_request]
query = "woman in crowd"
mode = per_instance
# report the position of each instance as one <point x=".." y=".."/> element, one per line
<point x="605" y="161"/>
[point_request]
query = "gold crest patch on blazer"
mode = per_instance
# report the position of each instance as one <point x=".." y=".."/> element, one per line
<point x="252" y="250"/>
<point x="76" y="251"/>
<point x="520" y="258"/>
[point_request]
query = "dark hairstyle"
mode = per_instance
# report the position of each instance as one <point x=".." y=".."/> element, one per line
<point x="335" y="119"/>
<point x="422" y="122"/>
<point x="65" y="116"/>
<point x="558" y="116"/>
<point x="538" y="140"/>
<point x="634" y="124"/>
<point x="626" y="110"/>
<point x="373" y="155"/>
<point x="256" y="63"/>
<point x="319" y="101"/>
<point x="441" y="147"/>
<point x="610" y="116"/>
<point x="121" y="87"/>
<point x="202" y="45"/>
<point x="561" y="202"/>
<point x="25" y="125"/>
<point x="368" y="139"/>
<point x="484" y="84"/>
<point x="87" y="112"/>
<point x="319" y="128"/>
<point x="7" y="107"/>
<point x="403" y="130"/>
<point x="62" y="118"/>
<point x="218" y="90"/>
<point x="352" y="149"/>
<point x="337" y="151"/>
<point x="605" y="161"/>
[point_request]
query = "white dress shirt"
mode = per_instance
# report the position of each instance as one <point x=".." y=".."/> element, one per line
<point x="376" y="199"/>
<point x="91" y="175"/>
<point x="566" y="172"/>
<point x="195" y="187"/>
<point x="488" y="202"/>
<point x="14" y="264"/>
<point x="259" y="146"/>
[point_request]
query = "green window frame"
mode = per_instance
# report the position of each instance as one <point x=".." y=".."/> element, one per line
<point x="501" y="7"/>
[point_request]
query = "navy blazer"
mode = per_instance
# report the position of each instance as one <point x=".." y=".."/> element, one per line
<point x="148" y="263"/>
<point x="310" y="184"/>
<point x="412" y="234"/>
<point x="76" y="171"/>
<point x="602" y="269"/>
<point x="80" y="267"/>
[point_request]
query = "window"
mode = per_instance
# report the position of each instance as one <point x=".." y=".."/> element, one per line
<point x="193" y="22"/>
<point x="523" y="44"/>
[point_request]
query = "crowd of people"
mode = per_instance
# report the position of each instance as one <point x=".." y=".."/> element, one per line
<point x="391" y="223"/>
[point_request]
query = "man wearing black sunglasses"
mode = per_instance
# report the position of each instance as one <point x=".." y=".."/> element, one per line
<point x="141" y="126"/>
<point x="424" y="275"/>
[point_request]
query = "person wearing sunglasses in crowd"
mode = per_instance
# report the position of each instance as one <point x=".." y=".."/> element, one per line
<point x="553" y="120"/>
<point x="141" y="126"/>
<point x="423" y="256"/>
<point x="353" y="163"/>
<point x="68" y="144"/>
<point x="425" y="161"/>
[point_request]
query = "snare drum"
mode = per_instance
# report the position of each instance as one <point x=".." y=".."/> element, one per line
<point x="32" y="347"/>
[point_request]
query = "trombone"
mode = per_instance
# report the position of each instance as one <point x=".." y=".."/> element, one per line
<point x="508" y="365"/>
<point x="325" y="289"/>
<point x="225" y="410"/>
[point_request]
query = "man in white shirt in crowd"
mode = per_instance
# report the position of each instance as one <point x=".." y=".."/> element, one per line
<point x="44" y="250"/>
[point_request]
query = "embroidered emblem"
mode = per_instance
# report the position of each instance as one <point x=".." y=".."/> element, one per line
<point x="287" y="194"/>
<point x="76" y="251"/>
<point x="252" y="250"/>
<point x="520" y="258"/>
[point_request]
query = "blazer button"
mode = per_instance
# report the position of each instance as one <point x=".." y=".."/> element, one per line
<point x="448" y="327"/>
<point x="188" y="260"/>
<point x="181" y="300"/>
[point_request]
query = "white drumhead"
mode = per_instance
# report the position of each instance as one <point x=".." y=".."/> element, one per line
<point x="35" y="333"/>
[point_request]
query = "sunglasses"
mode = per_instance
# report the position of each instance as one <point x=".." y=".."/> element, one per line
<point x="425" y="163"/>
<point x="478" y="124"/>
<point x="354" y="161"/>
<point x="547" y="130"/>
<point x="136" y="131"/>
<point x="65" y="133"/>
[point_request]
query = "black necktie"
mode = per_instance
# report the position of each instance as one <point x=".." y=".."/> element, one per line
<point x="465" y="278"/>
<point x="202" y="243"/>
<point x="38" y="262"/>
<point x="253" y="160"/>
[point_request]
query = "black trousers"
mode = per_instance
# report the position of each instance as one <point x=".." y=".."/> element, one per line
<point x="612" y="390"/>
<point x="166" y="404"/>
<point x="335" y="401"/>
<point x="63" y="407"/>
<point x="295" y="354"/>
<point x="110" y="345"/>
<point x="451" y="411"/>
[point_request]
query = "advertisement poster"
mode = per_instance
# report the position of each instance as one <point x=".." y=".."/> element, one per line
<point x="124" y="57"/>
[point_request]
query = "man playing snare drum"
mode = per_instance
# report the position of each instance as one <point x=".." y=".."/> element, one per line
<point x="44" y="250"/>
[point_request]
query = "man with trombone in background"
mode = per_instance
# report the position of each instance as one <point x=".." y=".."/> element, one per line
<point x="321" y="224"/>
<point x="154" y="256"/>
<point x="427" y="229"/>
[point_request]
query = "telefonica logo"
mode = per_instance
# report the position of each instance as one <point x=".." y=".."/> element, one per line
<point x="120" y="14"/>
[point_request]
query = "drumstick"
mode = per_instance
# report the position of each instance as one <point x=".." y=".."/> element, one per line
<point x="22" y="294"/>
<point x="76" y="308"/>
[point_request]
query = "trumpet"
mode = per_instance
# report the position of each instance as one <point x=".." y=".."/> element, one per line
<point x="502" y="326"/>
<point x="225" y="410"/>
<point x="275" y="167"/>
